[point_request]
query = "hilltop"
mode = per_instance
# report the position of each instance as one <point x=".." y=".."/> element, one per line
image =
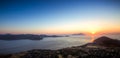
<point x="103" y="42"/>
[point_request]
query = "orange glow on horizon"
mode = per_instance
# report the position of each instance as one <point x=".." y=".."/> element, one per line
<point x="61" y="32"/>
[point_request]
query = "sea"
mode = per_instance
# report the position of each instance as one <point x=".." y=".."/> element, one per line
<point x="52" y="43"/>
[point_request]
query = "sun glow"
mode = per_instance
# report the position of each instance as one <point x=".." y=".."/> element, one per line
<point x="93" y="32"/>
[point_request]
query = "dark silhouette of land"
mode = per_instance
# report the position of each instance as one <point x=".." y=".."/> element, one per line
<point x="25" y="36"/>
<point x="102" y="47"/>
<point x="79" y="34"/>
<point x="104" y="42"/>
<point x="20" y="36"/>
<point x="107" y="42"/>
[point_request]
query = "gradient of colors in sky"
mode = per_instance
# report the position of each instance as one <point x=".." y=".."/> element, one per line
<point x="59" y="16"/>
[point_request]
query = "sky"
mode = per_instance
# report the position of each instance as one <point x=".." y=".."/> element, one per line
<point x="59" y="16"/>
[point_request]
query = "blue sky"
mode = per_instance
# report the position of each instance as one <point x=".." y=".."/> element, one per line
<point x="51" y="16"/>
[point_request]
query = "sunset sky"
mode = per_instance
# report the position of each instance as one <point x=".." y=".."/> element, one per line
<point x="59" y="17"/>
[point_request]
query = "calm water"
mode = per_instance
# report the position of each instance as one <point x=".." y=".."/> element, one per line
<point x="14" y="46"/>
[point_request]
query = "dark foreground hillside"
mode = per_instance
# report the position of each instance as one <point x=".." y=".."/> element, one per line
<point x="69" y="53"/>
<point x="92" y="50"/>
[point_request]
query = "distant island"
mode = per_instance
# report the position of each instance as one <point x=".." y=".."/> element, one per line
<point x="25" y="36"/>
<point x="79" y="34"/>
<point x="102" y="47"/>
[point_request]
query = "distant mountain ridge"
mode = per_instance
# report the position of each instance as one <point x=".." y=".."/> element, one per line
<point x="79" y="34"/>
<point x="25" y="36"/>
<point x="20" y="36"/>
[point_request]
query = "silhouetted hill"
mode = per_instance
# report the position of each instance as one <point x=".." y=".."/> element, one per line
<point x="103" y="42"/>
<point x="107" y="42"/>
